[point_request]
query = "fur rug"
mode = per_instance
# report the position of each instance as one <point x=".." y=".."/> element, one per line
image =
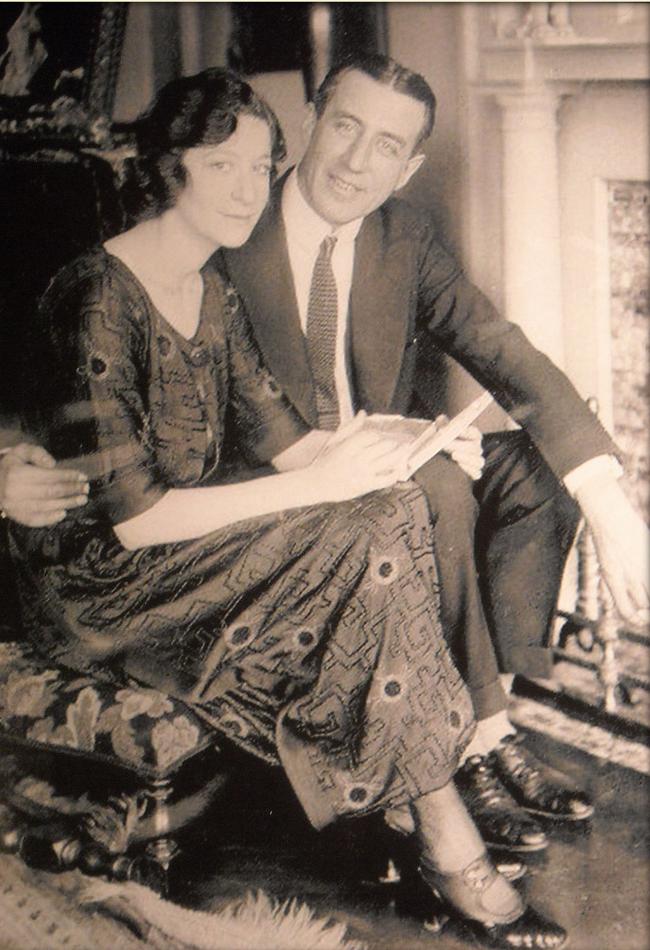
<point x="254" y="923"/>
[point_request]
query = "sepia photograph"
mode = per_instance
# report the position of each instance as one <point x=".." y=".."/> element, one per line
<point x="324" y="475"/>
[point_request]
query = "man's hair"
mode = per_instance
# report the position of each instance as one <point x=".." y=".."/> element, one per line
<point x="385" y="70"/>
<point x="189" y="112"/>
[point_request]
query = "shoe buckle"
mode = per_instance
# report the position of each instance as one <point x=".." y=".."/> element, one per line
<point x="477" y="875"/>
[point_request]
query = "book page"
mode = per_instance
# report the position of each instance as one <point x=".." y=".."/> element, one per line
<point x="433" y="440"/>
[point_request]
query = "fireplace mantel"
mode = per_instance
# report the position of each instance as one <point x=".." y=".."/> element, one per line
<point x="564" y="61"/>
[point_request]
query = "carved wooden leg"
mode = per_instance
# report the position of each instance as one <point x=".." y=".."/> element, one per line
<point x="587" y="603"/>
<point x="162" y="849"/>
<point x="12" y="829"/>
<point x="54" y="846"/>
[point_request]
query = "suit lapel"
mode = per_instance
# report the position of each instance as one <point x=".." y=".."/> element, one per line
<point x="261" y="272"/>
<point x="378" y="313"/>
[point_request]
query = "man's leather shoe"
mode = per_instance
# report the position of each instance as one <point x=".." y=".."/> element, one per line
<point x="536" y="787"/>
<point x="502" y="822"/>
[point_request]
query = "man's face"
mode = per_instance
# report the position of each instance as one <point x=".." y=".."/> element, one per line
<point x="360" y="150"/>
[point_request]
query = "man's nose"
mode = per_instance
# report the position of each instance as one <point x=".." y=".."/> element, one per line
<point x="358" y="154"/>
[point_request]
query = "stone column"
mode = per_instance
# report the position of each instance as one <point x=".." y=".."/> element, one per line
<point x="531" y="215"/>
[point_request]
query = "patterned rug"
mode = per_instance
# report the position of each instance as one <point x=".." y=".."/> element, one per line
<point x="41" y="911"/>
<point x="37" y="914"/>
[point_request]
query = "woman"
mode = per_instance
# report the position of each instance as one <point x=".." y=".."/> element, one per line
<point x="297" y="613"/>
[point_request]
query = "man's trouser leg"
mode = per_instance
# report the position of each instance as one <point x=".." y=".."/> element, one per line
<point x="454" y="513"/>
<point x="501" y="544"/>
<point x="524" y="531"/>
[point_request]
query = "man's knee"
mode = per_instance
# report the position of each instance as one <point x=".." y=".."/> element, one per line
<point x="517" y="480"/>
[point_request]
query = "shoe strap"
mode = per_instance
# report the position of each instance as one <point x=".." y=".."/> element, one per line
<point x="464" y="890"/>
<point x="477" y="876"/>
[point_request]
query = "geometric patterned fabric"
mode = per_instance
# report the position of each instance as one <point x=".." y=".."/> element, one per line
<point x="311" y="638"/>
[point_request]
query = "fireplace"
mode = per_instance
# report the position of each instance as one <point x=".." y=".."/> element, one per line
<point x="628" y="214"/>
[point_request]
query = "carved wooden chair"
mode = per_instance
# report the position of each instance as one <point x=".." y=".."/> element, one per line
<point x="97" y="775"/>
<point x="92" y="775"/>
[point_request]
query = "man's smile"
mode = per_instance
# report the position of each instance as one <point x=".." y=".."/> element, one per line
<point x="342" y="186"/>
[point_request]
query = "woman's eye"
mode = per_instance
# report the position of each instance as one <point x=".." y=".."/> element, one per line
<point x="264" y="168"/>
<point x="221" y="166"/>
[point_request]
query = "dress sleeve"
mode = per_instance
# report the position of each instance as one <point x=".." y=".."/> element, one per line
<point x="91" y="411"/>
<point x="265" y="423"/>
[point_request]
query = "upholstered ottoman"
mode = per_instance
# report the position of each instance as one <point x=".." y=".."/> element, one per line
<point x="97" y="775"/>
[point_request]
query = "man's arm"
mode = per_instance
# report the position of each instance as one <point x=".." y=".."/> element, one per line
<point x="33" y="491"/>
<point x="542" y="399"/>
<point x="456" y="317"/>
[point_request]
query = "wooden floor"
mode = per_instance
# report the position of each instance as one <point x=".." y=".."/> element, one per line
<point x="593" y="879"/>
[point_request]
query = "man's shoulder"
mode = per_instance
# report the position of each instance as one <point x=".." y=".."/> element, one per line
<point x="402" y="220"/>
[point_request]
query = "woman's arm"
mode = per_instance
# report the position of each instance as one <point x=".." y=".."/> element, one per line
<point x="359" y="464"/>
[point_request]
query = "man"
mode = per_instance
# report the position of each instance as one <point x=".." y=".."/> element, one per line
<point x="345" y="286"/>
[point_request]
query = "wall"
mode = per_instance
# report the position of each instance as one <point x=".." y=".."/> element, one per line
<point x="604" y="134"/>
<point x="163" y="40"/>
<point x="425" y="37"/>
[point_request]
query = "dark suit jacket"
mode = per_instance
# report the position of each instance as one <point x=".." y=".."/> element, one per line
<point x="409" y="295"/>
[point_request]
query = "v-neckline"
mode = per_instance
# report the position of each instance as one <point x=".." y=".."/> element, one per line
<point x="193" y="340"/>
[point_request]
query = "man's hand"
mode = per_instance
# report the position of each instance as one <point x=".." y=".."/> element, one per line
<point x="623" y="544"/>
<point x="466" y="449"/>
<point x="33" y="491"/>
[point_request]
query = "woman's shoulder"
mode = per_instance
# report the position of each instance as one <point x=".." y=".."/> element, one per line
<point x="96" y="281"/>
<point x="92" y="271"/>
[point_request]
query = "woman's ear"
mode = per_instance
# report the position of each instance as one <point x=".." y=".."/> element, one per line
<point x="309" y="123"/>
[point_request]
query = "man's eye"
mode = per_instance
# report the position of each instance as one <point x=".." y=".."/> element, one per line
<point x="345" y="126"/>
<point x="388" y="147"/>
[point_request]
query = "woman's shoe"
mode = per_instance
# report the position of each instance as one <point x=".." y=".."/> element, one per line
<point x="491" y="908"/>
<point x="401" y="820"/>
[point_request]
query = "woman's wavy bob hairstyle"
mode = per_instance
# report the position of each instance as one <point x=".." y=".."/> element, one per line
<point x="186" y="113"/>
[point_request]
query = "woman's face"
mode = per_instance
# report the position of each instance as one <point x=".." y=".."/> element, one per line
<point x="227" y="185"/>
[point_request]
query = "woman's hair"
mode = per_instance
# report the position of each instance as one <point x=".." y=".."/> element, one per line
<point x="188" y="112"/>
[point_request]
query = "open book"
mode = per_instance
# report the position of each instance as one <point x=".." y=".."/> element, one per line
<point x="423" y="438"/>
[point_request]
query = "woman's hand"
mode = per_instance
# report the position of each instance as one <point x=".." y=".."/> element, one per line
<point x="33" y="491"/>
<point x="466" y="449"/>
<point x="354" y="463"/>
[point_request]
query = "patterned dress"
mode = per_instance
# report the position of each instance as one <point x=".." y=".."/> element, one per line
<point x="311" y="637"/>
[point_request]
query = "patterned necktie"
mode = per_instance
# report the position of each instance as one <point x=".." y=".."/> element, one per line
<point x="322" y="316"/>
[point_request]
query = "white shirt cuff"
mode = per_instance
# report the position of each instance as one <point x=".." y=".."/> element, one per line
<point x="598" y="467"/>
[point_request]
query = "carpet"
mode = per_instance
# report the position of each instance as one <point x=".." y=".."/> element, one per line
<point x="68" y="911"/>
<point x="36" y="913"/>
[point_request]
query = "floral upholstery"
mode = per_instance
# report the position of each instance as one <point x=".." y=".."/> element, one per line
<point x="140" y="728"/>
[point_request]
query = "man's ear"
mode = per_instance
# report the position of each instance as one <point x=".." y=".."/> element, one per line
<point x="410" y="169"/>
<point x="309" y="123"/>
